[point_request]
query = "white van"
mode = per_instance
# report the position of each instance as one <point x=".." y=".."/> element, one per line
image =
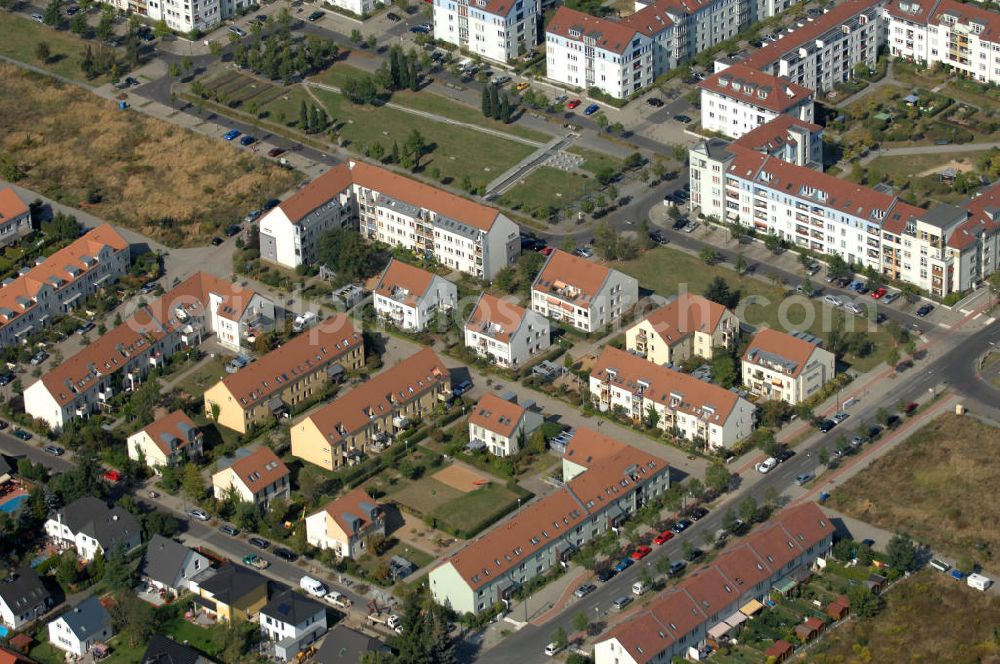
<point x="312" y="586"/>
<point x="639" y="588"/>
<point x="552" y="649"/>
<point x="767" y="465"/>
<point x="978" y="581"/>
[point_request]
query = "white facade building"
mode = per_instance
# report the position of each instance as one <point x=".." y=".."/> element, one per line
<point x="184" y="16"/>
<point x="409" y="297"/>
<point x="685" y="406"/>
<point x="499" y="425"/>
<point x="497" y="30"/>
<point x="504" y="333"/>
<point x="738" y="100"/>
<point x="81" y="628"/>
<point x="786" y="367"/>
<point x="358" y="7"/>
<point x="292" y="621"/>
<point x="90" y="527"/>
<point x="458" y="233"/>
<point x="582" y="294"/>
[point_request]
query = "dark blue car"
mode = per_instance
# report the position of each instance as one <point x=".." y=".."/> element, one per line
<point x="247" y="140"/>
<point x="590" y="110"/>
<point x="232" y="134"/>
<point x="623" y="564"/>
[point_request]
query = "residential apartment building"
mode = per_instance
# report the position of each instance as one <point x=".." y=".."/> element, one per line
<point x="59" y="283"/>
<point x="683" y="405"/>
<point x="358" y="7"/>
<point x="497" y="30"/>
<point x="505" y="333"/>
<point x="191" y="17"/>
<point x="409" y="297"/>
<point x="786" y="367"/>
<point x="167" y="441"/>
<point x="459" y="233"/>
<point x="257" y="477"/>
<point x="236" y="315"/>
<point x="366" y="419"/>
<point x="15" y="217"/>
<point x="346" y="523"/>
<point x="501" y="425"/>
<point x="964" y="37"/>
<point x="823" y="52"/>
<point x="292" y="374"/>
<point x="738" y="99"/>
<point x="581" y="293"/>
<point x="688" y="326"/>
<point x="616" y="481"/>
<point x="90" y="527"/>
<point x="737" y="580"/>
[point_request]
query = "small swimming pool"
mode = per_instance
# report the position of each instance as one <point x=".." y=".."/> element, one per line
<point x="13" y="504"/>
<point x="4" y="632"/>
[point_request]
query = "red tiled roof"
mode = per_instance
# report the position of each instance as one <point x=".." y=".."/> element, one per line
<point x="11" y="205"/>
<point x="774" y="134"/>
<point x="609" y="35"/>
<point x="915" y="11"/>
<point x="172" y="425"/>
<point x="587" y="447"/>
<point x="789" y="348"/>
<point x="259" y="469"/>
<point x="696" y="395"/>
<point x="497" y="415"/>
<point x="404" y="281"/>
<point x="749" y="86"/>
<point x="984" y="209"/>
<point x="357" y="503"/>
<point x="564" y="269"/>
<point x="779" y="649"/>
<point x="969" y="14"/>
<point x="501" y="317"/>
<point x="686" y="314"/>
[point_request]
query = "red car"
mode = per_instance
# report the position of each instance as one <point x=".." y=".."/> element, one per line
<point x="664" y="537"/>
<point x="545" y="251"/>
<point x="641" y="553"/>
<point x="879" y="292"/>
<point x="573" y="103"/>
<point x="112" y="476"/>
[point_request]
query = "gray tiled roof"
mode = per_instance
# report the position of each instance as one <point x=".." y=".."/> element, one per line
<point x="292" y="608"/>
<point x="163" y="650"/>
<point x="92" y="517"/>
<point x="164" y="559"/>
<point x="23" y="590"/>
<point x="87" y="618"/>
<point x="343" y="644"/>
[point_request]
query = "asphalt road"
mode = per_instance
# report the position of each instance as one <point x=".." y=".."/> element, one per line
<point x="19" y="449"/>
<point x="951" y="369"/>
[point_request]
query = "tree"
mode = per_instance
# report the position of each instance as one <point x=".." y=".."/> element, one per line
<point x="68" y="570"/>
<point x="718" y="291"/>
<point x="771" y="497"/>
<point x="773" y="243"/>
<point x="741" y="263"/>
<point x="42" y="52"/>
<point x="416" y="145"/>
<point x="824" y="456"/>
<point x="412" y="77"/>
<point x="724" y="369"/>
<point x="134" y="619"/>
<point x="487" y="102"/>
<point x="53" y="13"/>
<point x="78" y="24"/>
<point x="892" y="356"/>
<point x="345" y="252"/>
<point x="717" y="477"/>
<point x="303" y="116"/>
<point x="118" y="573"/>
<point x="901" y="553"/>
<point x="882" y="415"/>
<point x="105" y="27"/>
<point x="749" y="509"/>
<point x="729" y="521"/>
<point x="580" y="622"/>
<point x="192" y="482"/>
<point x="559" y="637"/>
<point x="864" y="604"/>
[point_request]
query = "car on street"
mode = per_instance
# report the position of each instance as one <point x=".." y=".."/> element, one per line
<point x="573" y="103"/>
<point x="316" y="15"/>
<point x="676" y="568"/>
<point x="199" y="514"/>
<point x="238" y="31"/>
<point x="767" y="465"/>
<point x="22" y="434"/>
<point x="879" y="292"/>
<point x="698" y="513"/>
<point x="683" y="119"/>
<point x="641" y="553"/>
<point x="7" y="379"/>
<point x="606" y="575"/>
<point x="248" y="140"/>
<point x="658" y="237"/>
<point x="826" y="425"/>
<point x="590" y="110"/>
<point x="691" y="226"/>
<point x="585" y="590"/>
<point x="890" y="297"/>
<point x="232" y="230"/>
<point x="803" y="478"/>
<point x="54" y="450"/>
<point x="232" y="134"/>
<point x="226" y="529"/>
<point x="681" y="526"/>
<point x="39" y="357"/>
<point x="216" y="241"/>
<point x="833" y="300"/>
<point x="276" y="152"/>
<point x="259" y="542"/>
<point x="285" y="554"/>
<point x="813" y="269"/>
<point x="784" y="454"/>
<point x="839" y="417"/>
<point x="623" y="565"/>
<point x="924" y="310"/>
<point x="663" y="537"/>
<point x="393" y="17"/>
<point x="271" y="204"/>
<point x="655" y="102"/>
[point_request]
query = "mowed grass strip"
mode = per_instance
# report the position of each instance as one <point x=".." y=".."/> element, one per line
<point x="927" y="618"/>
<point x="548" y="186"/>
<point x="937" y="486"/>
<point x="168" y="183"/>
<point x="425" y="495"/>
<point x="666" y="270"/>
<point x="473" y="511"/>
<point x="20" y="36"/>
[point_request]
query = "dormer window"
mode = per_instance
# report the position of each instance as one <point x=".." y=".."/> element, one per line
<point x="573" y="32"/>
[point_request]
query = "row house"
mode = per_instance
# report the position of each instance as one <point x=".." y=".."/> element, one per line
<point x="390" y="208"/>
<point x="582" y="294"/>
<point x="688" y="326"/>
<point x="257" y="478"/>
<point x="733" y="585"/>
<point x="683" y="405"/>
<point x="504" y="333"/>
<point x="59" y="283"/>
<point x="786" y="367"/>
<point x="497" y="30"/>
<point x="739" y="99"/>
<point x="611" y="481"/>
<point x="366" y="419"/>
<point x="409" y="297"/>
<point x="292" y="374"/>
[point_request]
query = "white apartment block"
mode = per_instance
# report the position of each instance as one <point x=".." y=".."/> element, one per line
<point x="581" y="293"/>
<point x="684" y="406"/>
<point x="738" y="100"/>
<point x="786" y="367"/>
<point x="963" y="37"/>
<point x="409" y="297"/>
<point x="504" y="333"/>
<point x="499" y="425"/>
<point x="184" y="15"/>
<point x="822" y="52"/>
<point x="497" y="30"/>
<point x="689" y="326"/>
<point x="61" y="282"/>
<point x="357" y="7"/>
<point x="386" y="207"/>
<point x="15" y="217"/>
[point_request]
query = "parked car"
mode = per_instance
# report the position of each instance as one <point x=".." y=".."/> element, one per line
<point x="276" y="152"/>
<point x="803" y="478"/>
<point x="216" y="241"/>
<point x="890" y="297"/>
<point x="226" y="529"/>
<point x="7" y="379"/>
<point x="655" y="102"/>
<point x="54" y="450"/>
<point x="270" y="204"/>
<point x="833" y="300"/>
<point x="924" y="310"/>
<point x="826" y="425"/>
<point x="585" y="590"/>
<point x="606" y="575"/>
<point x="623" y="565"/>
<point x="767" y="465"/>
<point x="393" y="17"/>
<point x="199" y="514"/>
<point x="663" y="537"/>
<point x="461" y="388"/>
<point x="910" y="408"/>
<point x="683" y="119"/>
<point x="39" y="357"/>
<point x="676" y="568"/>
<point x="38" y="17"/>
<point x="839" y="417"/>
<point x="813" y="269"/>
<point x="698" y="513"/>
<point x="4" y="424"/>
<point x="248" y="140"/>
<point x="22" y="434"/>
<point x="522" y="86"/>
<point x="238" y="31"/>
<point x="641" y="553"/>
<point x="590" y="110"/>
<point x="879" y="292"/>
<point x="681" y="526"/>
<point x="316" y="15"/>
<point x="620" y="603"/>
<point x="232" y="134"/>
<point x="259" y="542"/>
<point x="232" y="230"/>
<point x="285" y="554"/>
<point x="573" y="103"/>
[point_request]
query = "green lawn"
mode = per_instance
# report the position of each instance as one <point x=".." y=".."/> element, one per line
<point x="548" y="186"/>
<point x="664" y="270"/>
<point x="418" y="557"/>
<point x="197" y="637"/>
<point x="19" y="36"/>
<point x="473" y="511"/>
<point x="899" y="169"/>
<point x="205" y="376"/>
<point x="425" y="495"/>
<point x="449" y="108"/>
<point x="455" y="151"/>
<point x="594" y="161"/>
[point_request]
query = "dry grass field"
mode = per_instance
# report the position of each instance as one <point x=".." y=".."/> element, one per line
<point x="929" y="618"/>
<point x="168" y="183"/>
<point x="938" y="486"/>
